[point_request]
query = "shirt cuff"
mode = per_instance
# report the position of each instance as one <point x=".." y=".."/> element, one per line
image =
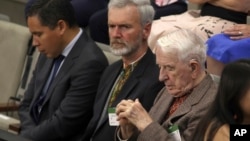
<point x="118" y="135"/>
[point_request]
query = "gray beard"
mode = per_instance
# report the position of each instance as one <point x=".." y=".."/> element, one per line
<point x="122" y="51"/>
<point x="127" y="49"/>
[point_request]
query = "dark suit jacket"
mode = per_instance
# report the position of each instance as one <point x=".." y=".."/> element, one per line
<point x="143" y="83"/>
<point x="186" y="116"/>
<point x="67" y="108"/>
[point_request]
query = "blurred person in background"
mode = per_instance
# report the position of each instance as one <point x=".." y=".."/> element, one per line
<point x="231" y="105"/>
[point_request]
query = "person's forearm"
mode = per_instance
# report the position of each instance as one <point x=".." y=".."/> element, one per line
<point x="126" y="131"/>
<point x="198" y="1"/>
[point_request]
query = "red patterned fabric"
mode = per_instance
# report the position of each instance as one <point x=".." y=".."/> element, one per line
<point x="176" y="103"/>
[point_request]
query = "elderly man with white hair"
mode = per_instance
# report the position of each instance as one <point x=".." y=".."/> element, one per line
<point x="180" y="105"/>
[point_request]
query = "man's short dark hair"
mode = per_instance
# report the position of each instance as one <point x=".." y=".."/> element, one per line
<point x="50" y="12"/>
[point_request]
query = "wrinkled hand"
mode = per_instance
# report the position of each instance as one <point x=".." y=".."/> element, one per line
<point x="132" y="112"/>
<point x="238" y="31"/>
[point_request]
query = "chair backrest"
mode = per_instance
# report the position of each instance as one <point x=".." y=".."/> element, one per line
<point x="215" y="78"/>
<point x="24" y="84"/>
<point x="14" y="40"/>
<point x="4" y="17"/>
<point x="105" y="48"/>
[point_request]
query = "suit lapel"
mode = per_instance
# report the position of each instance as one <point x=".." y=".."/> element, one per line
<point x="131" y="83"/>
<point x="67" y="65"/>
<point x="193" y="98"/>
<point x="126" y="90"/>
<point x="42" y="78"/>
<point x="105" y="90"/>
<point x="161" y="106"/>
<point x="109" y="82"/>
<point x="133" y="80"/>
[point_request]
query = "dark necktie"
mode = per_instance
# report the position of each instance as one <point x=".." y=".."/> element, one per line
<point x="39" y="102"/>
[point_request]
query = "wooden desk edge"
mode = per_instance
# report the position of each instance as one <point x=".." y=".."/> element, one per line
<point x="8" y="107"/>
<point x="15" y="127"/>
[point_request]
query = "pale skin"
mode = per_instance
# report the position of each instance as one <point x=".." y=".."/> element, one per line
<point x="179" y="77"/>
<point x="132" y="115"/>
<point x="222" y="134"/>
<point x="245" y="106"/>
<point x="51" y="42"/>
<point x="217" y="66"/>
<point x="239" y="31"/>
<point x="126" y="31"/>
<point x="236" y="5"/>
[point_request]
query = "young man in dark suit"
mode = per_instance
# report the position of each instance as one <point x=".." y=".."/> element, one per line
<point x="57" y="105"/>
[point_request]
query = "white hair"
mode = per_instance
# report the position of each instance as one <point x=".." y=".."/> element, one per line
<point x="186" y="44"/>
<point x="145" y="8"/>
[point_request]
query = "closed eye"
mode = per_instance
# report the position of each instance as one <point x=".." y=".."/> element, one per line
<point x="167" y="67"/>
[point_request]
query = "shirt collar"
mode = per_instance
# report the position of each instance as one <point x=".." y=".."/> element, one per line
<point x="71" y="44"/>
<point x="134" y="63"/>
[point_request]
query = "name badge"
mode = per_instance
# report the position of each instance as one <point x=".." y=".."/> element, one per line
<point x="174" y="132"/>
<point x="112" y="117"/>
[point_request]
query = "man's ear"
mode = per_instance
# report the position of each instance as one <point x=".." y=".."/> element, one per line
<point x="194" y="67"/>
<point x="146" y="30"/>
<point x="61" y="26"/>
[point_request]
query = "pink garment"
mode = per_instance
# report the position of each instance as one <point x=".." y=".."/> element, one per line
<point x="161" y="3"/>
<point x="204" y="26"/>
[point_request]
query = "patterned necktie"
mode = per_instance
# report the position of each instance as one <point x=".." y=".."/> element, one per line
<point x="176" y="103"/>
<point x="36" y="109"/>
<point x="120" y="82"/>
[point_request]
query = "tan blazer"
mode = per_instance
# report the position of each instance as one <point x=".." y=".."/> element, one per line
<point x="186" y="116"/>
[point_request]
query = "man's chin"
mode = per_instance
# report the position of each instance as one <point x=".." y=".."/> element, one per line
<point x="51" y="56"/>
<point x="174" y="93"/>
<point x="116" y="53"/>
<point x="119" y="52"/>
